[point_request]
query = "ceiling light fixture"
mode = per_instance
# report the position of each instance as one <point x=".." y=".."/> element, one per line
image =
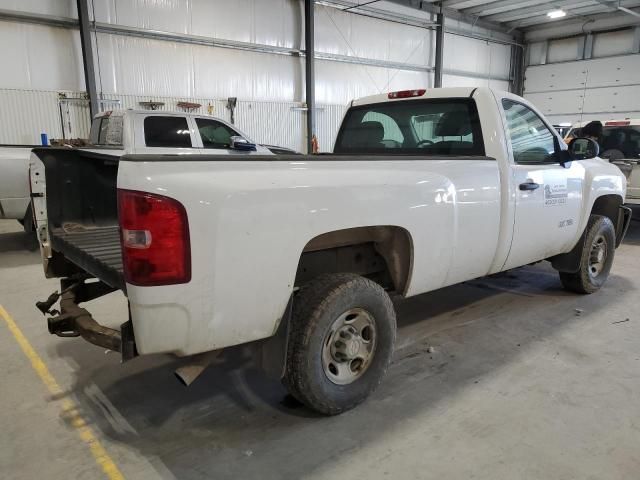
<point x="557" y="14"/>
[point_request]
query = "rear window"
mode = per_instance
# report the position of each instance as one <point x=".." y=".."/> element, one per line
<point x="433" y="127"/>
<point x="171" y="132"/>
<point x="107" y="131"/>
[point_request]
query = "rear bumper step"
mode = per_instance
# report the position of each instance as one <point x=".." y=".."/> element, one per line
<point x="75" y="321"/>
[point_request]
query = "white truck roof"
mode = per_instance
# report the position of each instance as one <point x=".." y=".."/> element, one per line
<point x="129" y="111"/>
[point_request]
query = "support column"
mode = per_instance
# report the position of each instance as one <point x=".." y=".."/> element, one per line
<point x="517" y="70"/>
<point x="310" y="78"/>
<point x="636" y="40"/>
<point x="437" y="74"/>
<point x="87" y="57"/>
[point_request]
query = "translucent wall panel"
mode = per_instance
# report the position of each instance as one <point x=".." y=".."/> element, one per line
<point x="476" y="56"/>
<point x="58" y="8"/>
<point x="40" y="57"/>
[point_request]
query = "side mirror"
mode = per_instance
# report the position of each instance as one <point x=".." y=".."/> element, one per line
<point x="583" y="149"/>
<point x="242" y="144"/>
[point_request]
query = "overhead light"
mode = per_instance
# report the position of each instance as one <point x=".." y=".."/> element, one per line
<point x="557" y="14"/>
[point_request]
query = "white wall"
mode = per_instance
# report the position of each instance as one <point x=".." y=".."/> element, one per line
<point x="606" y="86"/>
<point x="57" y="8"/>
<point x="37" y="57"/>
<point x="48" y="59"/>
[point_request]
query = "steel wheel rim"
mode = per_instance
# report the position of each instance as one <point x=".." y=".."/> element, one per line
<point x="597" y="256"/>
<point x="349" y="346"/>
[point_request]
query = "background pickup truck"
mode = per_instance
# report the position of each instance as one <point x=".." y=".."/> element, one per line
<point x="117" y="133"/>
<point x="14" y="183"/>
<point x="620" y="145"/>
<point x="299" y="255"/>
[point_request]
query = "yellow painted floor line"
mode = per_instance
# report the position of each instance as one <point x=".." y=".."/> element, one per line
<point x="69" y="409"/>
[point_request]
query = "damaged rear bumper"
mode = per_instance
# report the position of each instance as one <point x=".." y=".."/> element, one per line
<point x="75" y="321"/>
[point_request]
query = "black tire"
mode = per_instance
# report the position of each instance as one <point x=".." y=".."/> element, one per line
<point x="316" y="308"/>
<point x="589" y="279"/>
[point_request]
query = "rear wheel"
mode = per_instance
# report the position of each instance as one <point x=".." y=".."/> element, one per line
<point x="596" y="257"/>
<point x="340" y="343"/>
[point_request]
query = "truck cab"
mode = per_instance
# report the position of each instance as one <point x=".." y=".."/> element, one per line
<point x="162" y="132"/>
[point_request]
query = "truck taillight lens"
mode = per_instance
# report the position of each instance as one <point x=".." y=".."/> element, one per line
<point x="155" y="239"/>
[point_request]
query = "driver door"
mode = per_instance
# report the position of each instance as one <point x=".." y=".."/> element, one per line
<point x="548" y="196"/>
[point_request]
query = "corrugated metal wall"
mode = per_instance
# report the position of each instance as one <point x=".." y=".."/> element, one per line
<point x="276" y="123"/>
<point x="268" y="86"/>
<point x="27" y="113"/>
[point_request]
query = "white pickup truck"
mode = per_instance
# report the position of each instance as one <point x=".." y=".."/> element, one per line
<point x="299" y="256"/>
<point x="121" y="132"/>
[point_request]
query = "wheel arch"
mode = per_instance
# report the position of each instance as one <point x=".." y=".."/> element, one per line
<point x="337" y="251"/>
<point x="607" y="205"/>
<point x="357" y="250"/>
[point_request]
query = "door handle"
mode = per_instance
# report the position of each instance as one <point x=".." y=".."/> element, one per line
<point x="529" y="185"/>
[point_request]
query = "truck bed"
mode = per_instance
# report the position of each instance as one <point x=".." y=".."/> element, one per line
<point x="82" y="213"/>
<point x="95" y="250"/>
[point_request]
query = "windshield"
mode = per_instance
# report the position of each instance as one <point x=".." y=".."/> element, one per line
<point x="437" y="126"/>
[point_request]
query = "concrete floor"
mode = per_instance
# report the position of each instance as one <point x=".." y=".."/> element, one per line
<point x="519" y="386"/>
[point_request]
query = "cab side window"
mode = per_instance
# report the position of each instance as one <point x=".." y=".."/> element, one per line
<point x="214" y="134"/>
<point x="531" y="140"/>
<point x="168" y="132"/>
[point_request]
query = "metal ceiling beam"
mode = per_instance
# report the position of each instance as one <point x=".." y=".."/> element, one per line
<point x="453" y="14"/>
<point x="502" y="6"/>
<point x="540" y="9"/>
<point x="460" y="4"/>
<point x="373" y="12"/>
<point x="615" y="5"/>
<point x="545" y="30"/>
<point x="585" y="15"/>
<point x="629" y="12"/>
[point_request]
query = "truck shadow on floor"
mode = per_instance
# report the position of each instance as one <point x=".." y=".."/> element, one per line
<point x="18" y="248"/>
<point x="633" y="234"/>
<point x="238" y="423"/>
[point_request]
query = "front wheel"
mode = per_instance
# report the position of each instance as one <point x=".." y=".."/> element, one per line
<point x="596" y="257"/>
<point x="341" y="340"/>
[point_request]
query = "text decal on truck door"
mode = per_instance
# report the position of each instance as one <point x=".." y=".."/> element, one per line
<point x="555" y="194"/>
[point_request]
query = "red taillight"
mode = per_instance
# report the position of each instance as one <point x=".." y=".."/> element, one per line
<point x="155" y="239"/>
<point x="617" y="123"/>
<point x="407" y="93"/>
